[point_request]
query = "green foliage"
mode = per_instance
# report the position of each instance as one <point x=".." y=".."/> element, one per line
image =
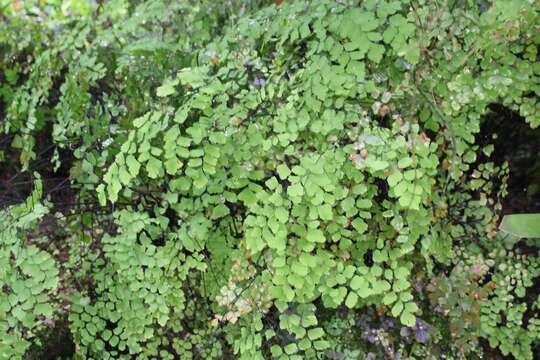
<point x="28" y="277"/>
<point x="259" y="176"/>
<point x="459" y="297"/>
<point x="502" y="320"/>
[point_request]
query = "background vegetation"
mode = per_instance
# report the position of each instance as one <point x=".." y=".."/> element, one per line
<point x="268" y="179"/>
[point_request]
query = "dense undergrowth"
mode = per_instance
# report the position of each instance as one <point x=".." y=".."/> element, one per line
<point x="260" y="179"/>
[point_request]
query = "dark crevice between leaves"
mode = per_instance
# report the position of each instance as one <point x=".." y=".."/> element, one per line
<point x="16" y="185"/>
<point x="57" y="343"/>
<point x="519" y="145"/>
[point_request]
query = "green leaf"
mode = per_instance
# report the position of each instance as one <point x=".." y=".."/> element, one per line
<point x="320" y="345"/>
<point x="521" y="225"/>
<point x="406" y="296"/>
<point x="191" y="76"/>
<point x="394" y="178"/>
<point x="325" y="212"/>
<point x="283" y="171"/>
<point x="315" y="235"/>
<point x="282" y="215"/>
<point x="397" y="309"/>
<point x="133" y="165"/>
<point x="389" y="298"/>
<point x="140" y="121"/>
<point x="167" y="88"/>
<point x="304" y="344"/>
<point x="401" y="272"/>
<point x="411" y="307"/>
<point x="172" y="165"/>
<point x="407" y="319"/>
<point x="124" y="175"/>
<point x="291" y="348"/>
<point x="309" y="320"/>
<point x="181" y="184"/>
<point x="400" y="285"/>
<point x="405" y="162"/>
<point x="351" y="300"/>
<point x="254" y="241"/>
<point x="376" y="52"/>
<point x="358" y="283"/>
<point x="411" y="52"/>
<point x="153" y="167"/>
<point x="366" y="19"/>
<point x="220" y="211"/>
<point x="288" y="292"/>
<point x="381" y="286"/>
<point x="248" y="197"/>
<point x="100" y="190"/>
<point x="276" y="351"/>
<point x="360" y="225"/>
<point x="376" y="164"/>
<point x="300" y="269"/>
<point x="276" y="242"/>
<point x="295" y="190"/>
<point x="315" y="333"/>
<point x="43" y="309"/>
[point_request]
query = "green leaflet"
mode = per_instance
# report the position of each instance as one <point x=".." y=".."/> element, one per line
<point x="283" y="171"/>
<point x="167" y="88"/>
<point x="315" y="235"/>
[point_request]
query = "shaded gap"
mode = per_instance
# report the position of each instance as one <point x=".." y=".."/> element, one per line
<point x="519" y="145"/>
